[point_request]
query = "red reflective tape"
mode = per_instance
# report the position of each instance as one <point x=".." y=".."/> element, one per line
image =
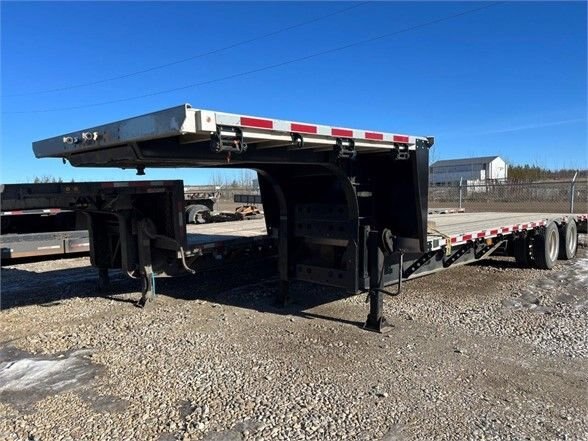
<point x="399" y="138"/>
<point x="256" y="122"/>
<point x="453" y="239"/>
<point x="467" y="237"/>
<point x="525" y="226"/>
<point x="515" y="228"/>
<point x="505" y="229"/>
<point x="303" y="128"/>
<point x="107" y="184"/>
<point x="376" y="136"/>
<point x="493" y="231"/>
<point x="141" y="184"/>
<point x="342" y="132"/>
<point x="481" y="234"/>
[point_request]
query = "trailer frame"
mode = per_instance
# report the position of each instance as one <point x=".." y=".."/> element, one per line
<point x="345" y="207"/>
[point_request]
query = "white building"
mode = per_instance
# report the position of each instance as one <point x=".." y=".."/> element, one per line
<point x="486" y="168"/>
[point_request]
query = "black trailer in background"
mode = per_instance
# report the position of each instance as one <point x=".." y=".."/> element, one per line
<point x="41" y="232"/>
<point x="137" y="227"/>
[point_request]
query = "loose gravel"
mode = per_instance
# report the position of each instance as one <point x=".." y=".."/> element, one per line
<point x="483" y="352"/>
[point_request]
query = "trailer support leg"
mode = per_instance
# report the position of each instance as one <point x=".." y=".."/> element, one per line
<point x="375" y="320"/>
<point x="103" y="280"/>
<point x="145" y="231"/>
<point x="147" y="288"/>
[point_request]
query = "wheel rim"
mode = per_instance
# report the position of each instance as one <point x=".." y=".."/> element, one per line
<point x="572" y="239"/>
<point x="199" y="217"/>
<point x="552" y="245"/>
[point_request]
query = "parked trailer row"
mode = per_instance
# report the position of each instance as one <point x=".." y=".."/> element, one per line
<point x="343" y="207"/>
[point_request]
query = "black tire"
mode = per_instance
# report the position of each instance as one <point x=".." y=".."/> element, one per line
<point x="546" y="246"/>
<point x="189" y="213"/>
<point x="522" y="252"/>
<point x="197" y="214"/>
<point x="568" y="240"/>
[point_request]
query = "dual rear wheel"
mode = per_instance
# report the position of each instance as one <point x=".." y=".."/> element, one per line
<point x="547" y="245"/>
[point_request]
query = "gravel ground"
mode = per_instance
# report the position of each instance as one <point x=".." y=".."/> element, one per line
<point x="482" y="352"/>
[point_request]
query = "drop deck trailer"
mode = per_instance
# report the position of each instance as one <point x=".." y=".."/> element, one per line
<point x="343" y="207"/>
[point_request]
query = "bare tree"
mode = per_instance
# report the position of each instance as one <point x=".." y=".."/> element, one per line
<point x="245" y="179"/>
<point x="46" y="179"/>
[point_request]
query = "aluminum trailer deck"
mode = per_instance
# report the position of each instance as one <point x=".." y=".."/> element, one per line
<point x="208" y="234"/>
<point x="344" y="207"/>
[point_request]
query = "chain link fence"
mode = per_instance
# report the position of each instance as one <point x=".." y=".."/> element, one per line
<point x="540" y="197"/>
<point x="534" y="197"/>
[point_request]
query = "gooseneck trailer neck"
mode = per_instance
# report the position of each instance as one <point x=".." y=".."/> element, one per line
<point x="344" y="207"/>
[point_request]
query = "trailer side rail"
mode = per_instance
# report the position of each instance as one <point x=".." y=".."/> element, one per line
<point x="445" y="237"/>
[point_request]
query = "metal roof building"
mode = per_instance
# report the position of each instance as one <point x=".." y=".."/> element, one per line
<point x="469" y="169"/>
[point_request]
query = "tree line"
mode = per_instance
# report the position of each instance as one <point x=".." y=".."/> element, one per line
<point x="531" y="173"/>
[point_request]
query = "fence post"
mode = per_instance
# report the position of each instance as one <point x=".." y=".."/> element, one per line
<point x="572" y="191"/>
<point x="460" y="192"/>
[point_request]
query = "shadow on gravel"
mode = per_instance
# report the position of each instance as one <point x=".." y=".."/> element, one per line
<point x="250" y="286"/>
<point x="254" y="287"/>
<point x="47" y="288"/>
<point x="502" y="263"/>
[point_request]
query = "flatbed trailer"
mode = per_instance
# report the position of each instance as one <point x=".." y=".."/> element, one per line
<point x="57" y="232"/>
<point x="343" y="207"/>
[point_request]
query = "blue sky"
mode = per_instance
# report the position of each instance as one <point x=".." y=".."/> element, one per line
<point x="507" y="80"/>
